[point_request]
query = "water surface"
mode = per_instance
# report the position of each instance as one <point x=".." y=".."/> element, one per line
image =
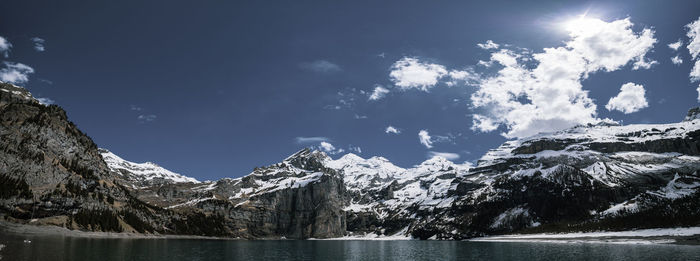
<point x="45" y="247"/>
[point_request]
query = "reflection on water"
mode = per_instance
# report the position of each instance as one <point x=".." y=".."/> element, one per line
<point x="70" y="248"/>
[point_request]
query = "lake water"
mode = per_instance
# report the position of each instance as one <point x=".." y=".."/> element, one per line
<point x="71" y="248"/>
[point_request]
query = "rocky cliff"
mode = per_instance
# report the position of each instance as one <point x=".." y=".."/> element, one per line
<point x="592" y="177"/>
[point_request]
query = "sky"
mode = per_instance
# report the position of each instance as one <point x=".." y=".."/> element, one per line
<point x="212" y="89"/>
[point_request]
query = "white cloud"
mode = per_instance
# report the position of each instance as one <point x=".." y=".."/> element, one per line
<point x="694" y="36"/>
<point x="447" y="155"/>
<point x="356" y="149"/>
<point x="5" y="46"/>
<point x="301" y="140"/>
<point x="321" y="66"/>
<point x="38" y="44"/>
<point x="488" y="45"/>
<point x="424" y="139"/>
<point x="694" y="50"/>
<point x="15" y="73"/>
<point x="135" y="108"/>
<point x="550" y="96"/>
<point x="630" y="99"/>
<point x="392" y="129"/>
<point x="483" y="123"/>
<point x="45" y="101"/>
<point x="327" y="146"/>
<point x="676" y="60"/>
<point x="378" y="93"/>
<point x="467" y="76"/>
<point x="146" y="117"/>
<point x="360" y="117"/>
<point x="675" y="45"/>
<point x="443" y="138"/>
<point x="330" y="149"/>
<point x="695" y="72"/>
<point x="409" y="73"/>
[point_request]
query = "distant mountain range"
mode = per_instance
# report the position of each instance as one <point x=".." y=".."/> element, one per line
<point x="593" y="177"/>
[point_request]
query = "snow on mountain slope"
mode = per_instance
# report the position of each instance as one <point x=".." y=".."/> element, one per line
<point x="296" y="171"/>
<point x="360" y="173"/>
<point x="592" y="138"/>
<point x="143" y="173"/>
<point x="379" y="188"/>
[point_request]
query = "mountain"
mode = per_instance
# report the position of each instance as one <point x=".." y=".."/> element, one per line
<point x="591" y="177"/>
<point x="142" y="174"/>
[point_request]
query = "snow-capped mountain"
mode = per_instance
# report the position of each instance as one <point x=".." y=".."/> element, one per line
<point x="142" y="174"/>
<point x="594" y="177"/>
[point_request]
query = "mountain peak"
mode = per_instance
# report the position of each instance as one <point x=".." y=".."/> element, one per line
<point x="16" y="91"/>
<point x="693" y="114"/>
<point x="352" y="157"/>
<point x="308" y="159"/>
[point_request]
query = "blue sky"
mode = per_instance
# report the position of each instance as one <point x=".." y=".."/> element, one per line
<point x="211" y="89"/>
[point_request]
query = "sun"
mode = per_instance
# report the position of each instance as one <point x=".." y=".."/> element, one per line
<point x="583" y="24"/>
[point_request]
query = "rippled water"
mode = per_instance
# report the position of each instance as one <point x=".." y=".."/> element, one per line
<point x="71" y="248"/>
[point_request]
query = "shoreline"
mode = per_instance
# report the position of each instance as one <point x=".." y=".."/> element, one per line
<point x="48" y="230"/>
<point x="679" y="236"/>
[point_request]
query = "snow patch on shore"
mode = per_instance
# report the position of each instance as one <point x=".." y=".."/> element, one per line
<point x="642" y="236"/>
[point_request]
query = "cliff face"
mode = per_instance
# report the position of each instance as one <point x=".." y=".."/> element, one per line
<point x="602" y="176"/>
<point x="53" y="174"/>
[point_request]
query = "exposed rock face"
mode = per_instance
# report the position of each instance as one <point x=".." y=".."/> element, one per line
<point x="53" y="172"/>
<point x="298" y="198"/>
<point x="603" y="176"/>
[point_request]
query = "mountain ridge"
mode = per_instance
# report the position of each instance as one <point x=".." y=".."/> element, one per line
<point x="592" y="177"/>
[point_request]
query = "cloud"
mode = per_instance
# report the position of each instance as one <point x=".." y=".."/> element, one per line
<point x="676" y="60"/>
<point x="392" y="129"/>
<point x="327" y="146"/>
<point x="302" y="140"/>
<point x="444" y="138"/>
<point x="45" y="101"/>
<point x="694" y="50"/>
<point x="5" y="47"/>
<point x="488" y="45"/>
<point x="695" y="72"/>
<point x="320" y="66"/>
<point x="409" y="73"/>
<point x="38" y="44"/>
<point x="146" y="117"/>
<point x="467" y="76"/>
<point x="630" y="99"/>
<point x="135" y="108"/>
<point x="330" y="149"/>
<point x="675" y="45"/>
<point x="425" y="139"/>
<point x="347" y="99"/>
<point x="447" y="155"/>
<point x="360" y="117"/>
<point x="356" y="149"/>
<point x="694" y="36"/>
<point x="15" y="73"/>
<point x="540" y="92"/>
<point x="46" y="81"/>
<point x="378" y="93"/>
